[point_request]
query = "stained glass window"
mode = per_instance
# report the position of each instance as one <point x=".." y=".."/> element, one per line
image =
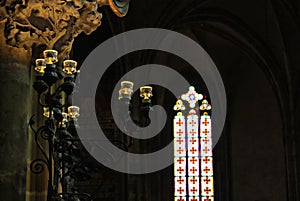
<point x="193" y="161"/>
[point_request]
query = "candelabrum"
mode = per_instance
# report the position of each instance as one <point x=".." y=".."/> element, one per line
<point x="125" y="94"/>
<point x="61" y="152"/>
<point x="62" y="155"/>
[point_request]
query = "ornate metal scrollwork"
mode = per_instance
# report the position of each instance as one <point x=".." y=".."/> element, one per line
<point x="37" y="166"/>
<point x="57" y="139"/>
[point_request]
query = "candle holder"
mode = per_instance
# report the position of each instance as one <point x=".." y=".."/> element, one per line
<point x="50" y="56"/>
<point x="70" y="67"/>
<point x="50" y="75"/>
<point x="126" y="90"/>
<point x="125" y="94"/>
<point x="60" y="156"/>
<point x="146" y="94"/>
<point x="40" y="66"/>
<point x="73" y="112"/>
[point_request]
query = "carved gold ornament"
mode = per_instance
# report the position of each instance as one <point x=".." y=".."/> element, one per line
<point x="53" y="23"/>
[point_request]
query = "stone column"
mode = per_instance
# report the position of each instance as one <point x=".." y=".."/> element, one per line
<point x="14" y="110"/>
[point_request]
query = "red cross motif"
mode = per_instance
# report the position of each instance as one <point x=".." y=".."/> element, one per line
<point x="207" y="190"/>
<point x="206" y="150"/>
<point x="193" y="123"/>
<point x="180" y="150"/>
<point x="180" y="170"/>
<point x="206" y="160"/>
<point x="179" y="123"/>
<point x="193" y="170"/>
<point x="194" y="199"/>
<point x="193" y="140"/>
<point x="193" y="132"/>
<point x="206" y="180"/>
<point x="180" y="180"/>
<point x="179" y="132"/>
<point x="205" y="140"/>
<point x="205" y="132"/>
<point x="193" y="150"/>
<point x="180" y="160"/>
<point x="205" y="122"/>
<point x="179" y="141"/>
<point x="193" y="160"/>
<point x="207" y="199"/>
<point x="180" y="199"/>
<point x="194" y="190"/>
<point x="206" y="169"/>
<point x="180" y="190"/>
<point x="194" y="180"/>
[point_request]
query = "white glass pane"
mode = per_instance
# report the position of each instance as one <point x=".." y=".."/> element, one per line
<point x="179" y="169"/>
<point x="206" y="141"/>
<point x="180" y="161"/>
<point x="207" y="199"/>
<point x="179" y="126"/>
<point x="180" y="180"/>
<point x="206" y="150"/>
<point x="194" y="198"/>
<point x="192" y="126"/>
<point x="193" y="186"/>
<point x="179" y="147"/>
<point x="205" y="132"/>
<point x="207" y="169"/>
<point x="206" y="160"/>
<point x="205" y="121"/>
<point x="207" y="187"/>
<point x="180" y="189"/>
<point x="180" y="199"/>
<point x="193" y="147"/>
<point x="193" y="169"/>
<point x="193" y="160"/>
<point x="207" y="180"/>
<point x="205" y="126"/>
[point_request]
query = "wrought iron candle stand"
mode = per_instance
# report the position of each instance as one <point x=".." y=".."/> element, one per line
<point x="62" y="154"/>
<point x="125" y="94"/>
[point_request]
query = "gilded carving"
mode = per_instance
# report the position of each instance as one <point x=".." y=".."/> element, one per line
<point x="52" y="23"/>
